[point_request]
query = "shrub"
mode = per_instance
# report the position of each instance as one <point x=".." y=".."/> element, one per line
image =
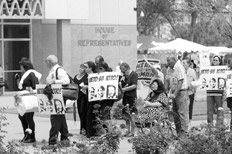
<point x="12" y="147"/>
<point x="206" y="140"/>
<point x="155" y="138"/>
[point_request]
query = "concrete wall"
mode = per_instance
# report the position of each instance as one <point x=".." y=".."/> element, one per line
<point x="44" y="43"/>
<point x="86" y="45"/>
<point x="110" y="12"/>
<point x="108" y="20"/>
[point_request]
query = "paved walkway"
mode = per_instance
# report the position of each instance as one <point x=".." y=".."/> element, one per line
<point x="14" y="129"/>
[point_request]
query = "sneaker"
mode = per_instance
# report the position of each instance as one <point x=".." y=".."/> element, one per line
<point x="64" y="139"/>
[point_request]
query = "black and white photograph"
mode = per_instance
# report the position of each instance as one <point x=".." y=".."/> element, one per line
<point x="115" y="76"/>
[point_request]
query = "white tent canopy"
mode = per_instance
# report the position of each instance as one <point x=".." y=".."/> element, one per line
<point x="177" y="45"/>
<point x="219" y="50"/>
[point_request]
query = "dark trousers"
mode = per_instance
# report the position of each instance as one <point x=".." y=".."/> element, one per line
<point x="82" y="111"/>
<point x="180" y="107"/>
<point x="102" y="112"/>
<point x="211" y="102"/>
<point x="91" y="120"/>
<point x="28" y="122"/>
<point x="105" y="109"/>
<point x="131" y="102"/>
<point x="191" y="99"/>
<point x="59" y="124"/>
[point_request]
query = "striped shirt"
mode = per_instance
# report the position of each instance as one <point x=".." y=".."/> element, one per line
<point x="178" y="74"/>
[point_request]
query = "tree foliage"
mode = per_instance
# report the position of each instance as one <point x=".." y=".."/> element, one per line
<point x="209" y="19"/>
<point x="156" y="12"/>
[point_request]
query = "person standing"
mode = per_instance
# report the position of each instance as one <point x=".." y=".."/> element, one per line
<point x="81" y="80"/>
<point x="1" y="79"/>
<point x="179" y="95"/>
<point x="214" y="97"/>
<point x="91" y="117"/>
<point x="229" y="102"/>
<point x="28" y="82"/>
<point x="191" y="76"/>
<point x="99" y="59"/>
<point x="57" y="75"/>
<point x="129" y="87"/>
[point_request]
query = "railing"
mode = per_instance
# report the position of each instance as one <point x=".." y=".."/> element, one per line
<point x="21" y="9"/>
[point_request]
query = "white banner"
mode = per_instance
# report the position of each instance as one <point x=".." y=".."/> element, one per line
<point x="213" y="77"/>
<point x="144" y="70"/>
<point x="55" y="105"/>
<point x="103" y="86"/>
<point x="229" y="84"/>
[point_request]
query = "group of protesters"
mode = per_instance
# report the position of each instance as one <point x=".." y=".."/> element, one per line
<point x="175" y="86"/>
<point x="57" y="75"/>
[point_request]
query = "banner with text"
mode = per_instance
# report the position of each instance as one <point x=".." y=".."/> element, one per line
<point x="144" y="70"/>
<point x="103" y="86"/>
<point x="53" y="106"/>
<point x="213" y="77"/>
<point x="229" y="84"/>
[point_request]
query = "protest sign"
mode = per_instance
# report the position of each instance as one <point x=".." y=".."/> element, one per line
<point x="53" y="106"/>
<point x="204" y="59"/>
<point x="213" y="77"/>
<point x="103" y="86"/>
<point x="144" y="70"/>
<point x="229" y="84"/>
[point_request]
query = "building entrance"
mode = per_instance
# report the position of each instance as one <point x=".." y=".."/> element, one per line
<point x="15" y="44"/>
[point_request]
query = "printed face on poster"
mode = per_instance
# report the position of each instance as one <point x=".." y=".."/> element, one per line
<point x="103" y="86"/>
<point x="144" y="70"/>
<point x="54" y="106"/>
<point x="213" y="77"/>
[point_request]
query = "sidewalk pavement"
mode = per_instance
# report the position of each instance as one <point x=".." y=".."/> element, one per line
<point x="42" y="127"/>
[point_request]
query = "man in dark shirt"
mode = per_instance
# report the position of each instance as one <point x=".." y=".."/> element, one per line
<point x="129" y="87"/>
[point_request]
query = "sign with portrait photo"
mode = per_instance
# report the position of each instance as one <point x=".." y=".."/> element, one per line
<point x="103" y="86"/>
<point x="213" y="77"/>
<point x="53" y="106"/>
<point x="144" y="70"/>
<point x="229" y="84"/>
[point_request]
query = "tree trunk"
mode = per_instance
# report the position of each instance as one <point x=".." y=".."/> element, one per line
<point x="193" y="25"/>
<point x="173" y="27"/>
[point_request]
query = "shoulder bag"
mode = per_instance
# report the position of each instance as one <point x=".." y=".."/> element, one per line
<point x="71" y="90"/>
